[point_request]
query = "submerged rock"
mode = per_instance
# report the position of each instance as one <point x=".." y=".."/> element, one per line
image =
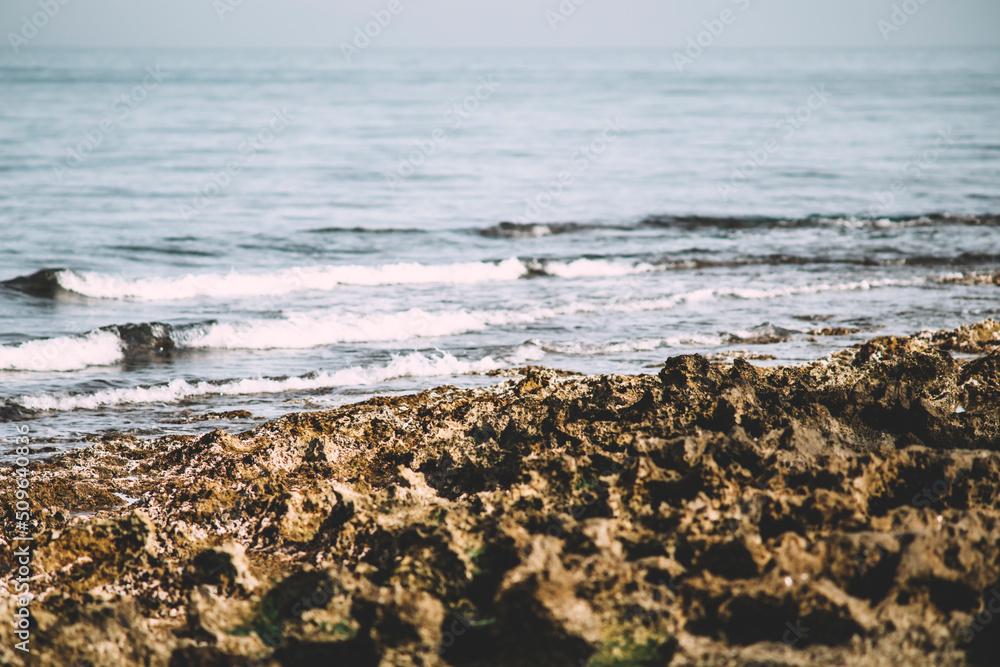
<point x="841" y="512"/>
<point x="974" y="279"/>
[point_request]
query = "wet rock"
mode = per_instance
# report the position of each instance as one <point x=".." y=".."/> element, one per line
<point x="764" y="334"/>
<point x="537" y="602"/>
<point x="217" y="620"/>
<point x="79" y="632"/>
<point x="833" y="331"/>
<point x="306" y="512"/>
<point x="969" y="338"/>
<point x="98" y="552"/>
<point x="974" y="279"/>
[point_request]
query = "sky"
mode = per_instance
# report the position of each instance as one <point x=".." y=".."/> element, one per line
<point x="501" y="23"/>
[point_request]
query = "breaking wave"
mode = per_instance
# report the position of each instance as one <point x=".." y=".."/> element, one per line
<point x="515" y="230"/>
<point x="51" y="283"/>
<point x="142" y="343"/>
<point x="415" y="364"/>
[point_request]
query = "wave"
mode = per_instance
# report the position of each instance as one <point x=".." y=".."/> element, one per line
<point x="164" y="250"/>
<point x="51" y="283"/>
<point x="305" y="331"/>
<point x="365" y="230"/>
<point x="695" y="222"/>
<point x="43" y="284"/>
<point x="119" y="343"/>
<point x="235" y="284"/>
<point x="763" y="334"/>
<point x="60" y="283"/>
<point x="591" y="268"/>
<point x="750" y="293"/>
<point x="415" y="364"/>
<point x="514" y="230"/>
<point x="585" y="349"/>
<point x="528" y="230"/>
<point x="65" y="353"/>
<point x="521" y="230"/>
<point x="137" y="344"/>
<point x="963" y="259"/>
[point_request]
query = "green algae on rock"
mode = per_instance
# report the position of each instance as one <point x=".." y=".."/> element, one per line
<point x="841" y="512"/>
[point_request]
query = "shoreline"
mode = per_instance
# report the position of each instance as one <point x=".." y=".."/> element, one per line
<point x="842" y="511"/>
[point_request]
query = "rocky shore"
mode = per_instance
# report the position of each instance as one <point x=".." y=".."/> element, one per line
<point x="844" y="512"/>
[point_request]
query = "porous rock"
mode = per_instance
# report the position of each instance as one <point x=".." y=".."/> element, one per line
<point x="840" y="512"/>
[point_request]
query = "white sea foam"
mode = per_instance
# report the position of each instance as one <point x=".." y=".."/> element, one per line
<point x="528" y="231"/>
<point x="596" y="268"/>
<point x="663" y="302"/>
<point x="299" y="331"/>
<point x="326" y="278"/>
<point x="525" y="353"/>
<point x="296" y="331"/>
<point x="777" y="292"/>
<point x="319" y="328"/>
<point x="750" y="293"/>
<point x="411" y="365"/>
<point x="236" y="284"/>
<point x="65" y="353"/>
<point x="581" y="348"/>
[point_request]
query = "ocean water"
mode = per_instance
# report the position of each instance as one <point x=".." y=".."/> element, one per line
<point x="187" y="233"/>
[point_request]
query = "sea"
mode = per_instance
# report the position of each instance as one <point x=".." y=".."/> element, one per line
<point x="209" y="239"/>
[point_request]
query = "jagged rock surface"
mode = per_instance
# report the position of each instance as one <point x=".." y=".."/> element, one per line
<point x="843" y="512"/>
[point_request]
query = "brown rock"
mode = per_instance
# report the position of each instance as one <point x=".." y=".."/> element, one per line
<point x="840" y="512"/>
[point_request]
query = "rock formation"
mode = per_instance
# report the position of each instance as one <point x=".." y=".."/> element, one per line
<point x="841" y="512"/>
